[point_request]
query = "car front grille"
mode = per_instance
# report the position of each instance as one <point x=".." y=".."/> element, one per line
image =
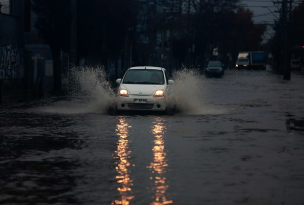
<point x="140" y="106"/>
<point x="214" y="70"/>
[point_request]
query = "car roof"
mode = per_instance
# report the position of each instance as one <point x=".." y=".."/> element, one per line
<point x="146" y="67"/>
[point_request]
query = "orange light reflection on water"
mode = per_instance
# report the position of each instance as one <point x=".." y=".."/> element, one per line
<point x="159" y="164"/>
<point x="123" y="173"/>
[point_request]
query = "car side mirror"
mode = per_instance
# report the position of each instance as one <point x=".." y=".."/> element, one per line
<point x="171" y="82"/>
<point x="118" y="80"/>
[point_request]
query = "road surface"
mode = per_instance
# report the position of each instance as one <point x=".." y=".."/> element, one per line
<point x="235" y="141"/>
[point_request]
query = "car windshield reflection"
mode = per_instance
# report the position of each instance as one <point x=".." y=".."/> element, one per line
<point x="214" y="64"/>
<point x="144" y="76"/>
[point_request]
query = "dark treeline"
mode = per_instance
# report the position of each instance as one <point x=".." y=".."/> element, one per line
<point x="168" y="33"/>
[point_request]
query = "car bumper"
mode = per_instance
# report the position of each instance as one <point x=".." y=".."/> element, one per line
<point x="151" y="103"/>
<point x="242" y="66"/>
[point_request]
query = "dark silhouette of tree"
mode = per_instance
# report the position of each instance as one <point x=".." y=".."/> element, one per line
<point x="198" y="26"/>
<point x="102" y="28"/>
<point x="297" y="19"/>
<point x="297" y="32"/>
<point x="296" y="40"/>
<point x="53" y="22"/>
<point x="249" y="35"/>
<point x="237" y="32"/>
<point x="113" y="29"/>
<point x="277" y="46"/>
<point x="208" y="25"/>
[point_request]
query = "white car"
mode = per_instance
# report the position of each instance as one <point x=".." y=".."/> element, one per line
<point x="145" y="88"/>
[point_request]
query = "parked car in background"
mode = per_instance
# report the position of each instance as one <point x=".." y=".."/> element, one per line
<point x="214" y="68"/>
<point x="295" y="64"/>
<point x="145" y="88"/>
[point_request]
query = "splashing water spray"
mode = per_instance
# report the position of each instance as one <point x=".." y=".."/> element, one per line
<point x="191" y="91"/>
<point x="89" y="91"/>
<point x="91" y="86"/>
<point x="187" y="89"/>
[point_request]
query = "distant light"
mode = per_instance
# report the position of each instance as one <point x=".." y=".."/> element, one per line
<point x="302" y="46"/>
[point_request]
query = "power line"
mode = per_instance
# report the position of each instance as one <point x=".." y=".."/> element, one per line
<point x="263" y="14"/>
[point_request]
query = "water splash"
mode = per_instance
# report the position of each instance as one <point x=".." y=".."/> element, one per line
<point x="191" y="91"/>
<point x="89" y="91"/>
<point x="91" y="85"/>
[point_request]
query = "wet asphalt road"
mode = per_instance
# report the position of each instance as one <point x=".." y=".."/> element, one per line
<point x="237" y="150"/>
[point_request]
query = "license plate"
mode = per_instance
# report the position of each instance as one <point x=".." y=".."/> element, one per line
<point x="140" y="100"/>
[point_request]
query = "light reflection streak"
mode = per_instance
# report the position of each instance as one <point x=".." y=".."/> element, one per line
<point x="159" y="164"/>
<point x="122" y="168"/>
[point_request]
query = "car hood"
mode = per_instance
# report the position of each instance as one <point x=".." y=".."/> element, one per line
<point x="142" y="89"/>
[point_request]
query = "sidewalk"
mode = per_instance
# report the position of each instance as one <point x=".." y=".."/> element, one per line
<point x="14" y="96"/>
<point x="14" y="92"/>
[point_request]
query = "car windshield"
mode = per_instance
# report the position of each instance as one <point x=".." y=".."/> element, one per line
<point x="144" y="76"/>
<point x="242" y="60"/>
<point x="215" y="64"/>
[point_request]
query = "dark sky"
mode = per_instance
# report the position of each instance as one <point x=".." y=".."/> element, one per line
<point x="264" y="10"/>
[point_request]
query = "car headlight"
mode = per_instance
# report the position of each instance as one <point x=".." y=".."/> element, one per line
<point x="123" y="93"/>
<point x="158" y="93"/>
<point x="236" y="65"/>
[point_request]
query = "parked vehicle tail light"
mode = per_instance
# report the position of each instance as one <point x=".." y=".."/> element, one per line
<point x="123" y="93"/>
<point x="158" y="93"/>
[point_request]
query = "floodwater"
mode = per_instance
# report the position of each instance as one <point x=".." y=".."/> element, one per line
<point x="229" y="144"/>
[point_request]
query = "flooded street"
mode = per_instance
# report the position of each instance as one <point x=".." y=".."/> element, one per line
<point x="229" y="144"/>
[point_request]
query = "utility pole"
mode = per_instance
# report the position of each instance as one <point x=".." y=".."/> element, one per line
<point x="188" y="35"/>
<point x="73" y="35"/>
<point x="126" y="51"/>
<point x="278" y="59"/>
<point x="286" y="23"/>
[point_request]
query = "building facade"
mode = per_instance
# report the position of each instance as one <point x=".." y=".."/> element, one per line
<point x="12" y="42"/>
